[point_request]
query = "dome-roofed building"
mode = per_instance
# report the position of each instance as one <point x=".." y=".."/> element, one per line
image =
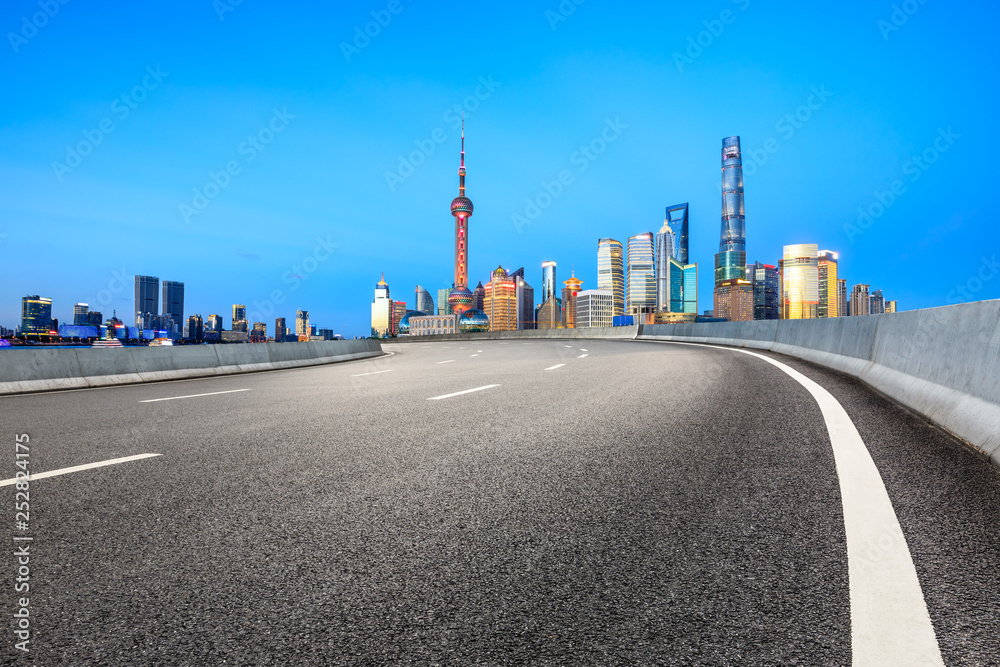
<point x="474" y="321"/>
<point x="404" y="322"/>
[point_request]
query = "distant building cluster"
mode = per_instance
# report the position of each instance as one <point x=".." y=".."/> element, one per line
<point x="649" y="280"/>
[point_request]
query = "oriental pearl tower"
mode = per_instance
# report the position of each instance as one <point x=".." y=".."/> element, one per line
<point x="460" y="299"/>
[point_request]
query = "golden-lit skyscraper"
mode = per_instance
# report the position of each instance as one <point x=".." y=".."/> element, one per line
<point x="382" y="310"/>
<point x="800" y="282"/>
<point x="570" y="290"/>
<point x="611" y="272"/>
<point x="239" y="317"/>
<point x="500" y="301"/>
<point x="829" y="286"/>
<point x="302" y="322"/>
<point x="733" y="300"/>
<point x="398" y="311"/>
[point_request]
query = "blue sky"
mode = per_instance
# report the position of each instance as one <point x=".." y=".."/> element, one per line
<point x="343" y="151"/>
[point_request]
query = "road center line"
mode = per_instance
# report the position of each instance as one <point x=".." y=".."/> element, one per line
<point x="552" y="368"/>
<point x="359" y="375"/>
<point x="459" y="393"/>
<point x="175" y="398"/>
<point x="582" y="356"/>
<point x="87" y="466"/>
<point x="474" y="355"/>
<point x="446" y="362"/>
<point x="889" y="619"/>
<point x="582" y="350"/>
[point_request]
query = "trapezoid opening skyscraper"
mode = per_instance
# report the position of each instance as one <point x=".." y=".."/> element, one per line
<point x="460" y="299"/>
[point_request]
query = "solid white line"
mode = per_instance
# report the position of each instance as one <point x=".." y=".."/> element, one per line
<point x="552" y="368"/>
<point x="582" y="356"/>
<point x="446" y="362"/>
<point x="213" y="393"/>
<point x="359" y="375"/>
<point x="88" y="466"/>
<point x="459" y="393"/>
<point x="890" y="624"/>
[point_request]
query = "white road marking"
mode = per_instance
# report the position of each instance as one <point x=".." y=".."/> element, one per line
<point x="359" y="375"/>
<point x="459" y="393"/>
<point x="890" y="624"/>
<point x="552" y="368"/>
<point x="567" y="346"/>
<point x="446" y="362"/>
<point x="478" y="351"/>
<point x="87" y="466"/>
<point x="212" y="393"/>
<point x="582" y="350"/>
<point x="474" y="355"/>
<point x="582" y="356"/>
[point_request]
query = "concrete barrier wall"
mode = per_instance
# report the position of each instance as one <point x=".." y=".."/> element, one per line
<point x="595" y="332"/>
<point x="943" y="363"/>
<point x="42" y="369"/>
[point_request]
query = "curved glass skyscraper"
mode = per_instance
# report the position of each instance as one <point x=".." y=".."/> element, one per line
<point x="731" y="261"/>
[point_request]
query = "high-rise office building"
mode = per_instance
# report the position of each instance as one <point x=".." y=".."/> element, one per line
<point x="549" y="314"/>
<point x="676" y="221"/>
<point x="877" y="303"/>
<point x="860" y="302"/>
<point x="500" y="302"/>
<point x="195" y="328"/>
<point x="641" y="275"/>
<point x="382" y="311"/>
<point x="214" y="323"/>
<point x="81" y="312"/>
<point x="665" y="246"/>
<point x="734" y="300"/>
<point x="842" y="297"/>
<point x="570" y="291"/>
<point x="764" y="278"/>
<point x="829" y="296"/>
<point x="302" y="322"/>
<point x="147" y="296"/>
<point x="95" y="318"/>
<point x="398" y="312"/>
<point x="259" y="333"/>
<point x="478" y="295"/>
<point x="800" y="282"/>
<point x="890" y="306"/>
<point x="525" y="300"/>
<point x="460" y="298"/>
<point x="423" y="302"/>
<point x="611" y="272"/>
<point x="442" y="302"/>
<point x="279" y="329"/>
<point x="731" y="260"/>
<point x="36" y="315"/>
<point x="548" y="280"/>
<point x="239" y="317"/>
<point x="173" y="302"/>
<point x="594" y="308"/>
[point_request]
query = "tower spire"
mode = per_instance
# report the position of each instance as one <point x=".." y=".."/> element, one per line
<point x="461" y="169"/>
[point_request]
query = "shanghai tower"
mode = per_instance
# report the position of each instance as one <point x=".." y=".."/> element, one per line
<point x="731" y="261"/>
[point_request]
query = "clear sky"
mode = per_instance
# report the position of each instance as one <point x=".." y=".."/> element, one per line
<point x="343" y="149"/>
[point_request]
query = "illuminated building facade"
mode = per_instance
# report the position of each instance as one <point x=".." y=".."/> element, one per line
<point x="147" y="296"/>
<point x="433" y="325"/>
<point x="81" y="314"/>
<point x="302" y="324"/>
<point x="214" y="322"/>
<point x="611" y="272"/>
<point x="460" y="298"/>
<point x="36" y="315"/>
<point x="500" y="301"/>
<point x="571" y="288"/>
<point x="381" y="310"/>
<point x="398" y="311"/>
<point x="800" y="282"/>
<point x="423" y="301"/>
<point x="548" y="280"/>
<point x="764" y="278"/>
<point x="860" y="302"/>
<point x="890" y="306"/>
<point x="195" y="328"/>
<point x="734" y="300"/>
<point x="239" y="317"/>
<point x="594" y="308"/>
<point x="676" y="221"/>
<point x="641" y="276"/>
<point x="829" y="295"/>
<point x="550" y="314"/>
<point x="730" y="262"/>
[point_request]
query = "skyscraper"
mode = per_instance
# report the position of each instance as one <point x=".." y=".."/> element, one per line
<point x="147" y="296"/>
<point x="665" y="246"/>
<point x="611" y="272"/>
<point x="525" y="299"/>
<point x="302" y="322"/>
<point x="478" y="295"/>
<point x="279" y="329"/>
<point x="734" y="300"/>
<point x="500" y="302"/>
<point x="239" y="317"/>
<point x="842" y="297"/>
<point x="677" y="222"/>
<point x="195" y="328"/>
<point x="81" y="312"/>
<point x="214" y="323"/>
<point x="800" y="282"/>
<point x="764" y="278"/>
<point x="548" y="280"/>
<point x="890" y="306"/>
<point x="460" y="298"/>
<point x="731" y="260"/>
<point x="860" y="303"/>
<point x="570" y="291"/>
<point x="423" y="302"/>
<point x="829" y="299"/>
<point x="877" y="303"/>
<point x="398" y="313"/>
<point x="36" y="315"/>
<point x="173" y="303"/>
<point x="442" y="302"/>
<point x="382" y="311"/>
<point x="594" y="308"/>
<point x="641" y="292"/>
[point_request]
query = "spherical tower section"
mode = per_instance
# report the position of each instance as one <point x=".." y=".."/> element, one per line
<point x="404" y="322"/>
<point x="473" y="321"/>
<point x="460" y="299"/>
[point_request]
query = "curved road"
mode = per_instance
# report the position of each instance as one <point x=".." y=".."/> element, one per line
<point x="591" y="503"/>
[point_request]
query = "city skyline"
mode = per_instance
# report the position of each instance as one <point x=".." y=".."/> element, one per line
<point x="833" y="155"/>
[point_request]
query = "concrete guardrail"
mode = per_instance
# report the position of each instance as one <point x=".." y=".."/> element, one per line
<point x="44" y="369"/>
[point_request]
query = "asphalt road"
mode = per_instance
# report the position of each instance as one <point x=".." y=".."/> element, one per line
<point x="644" y="504"/>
